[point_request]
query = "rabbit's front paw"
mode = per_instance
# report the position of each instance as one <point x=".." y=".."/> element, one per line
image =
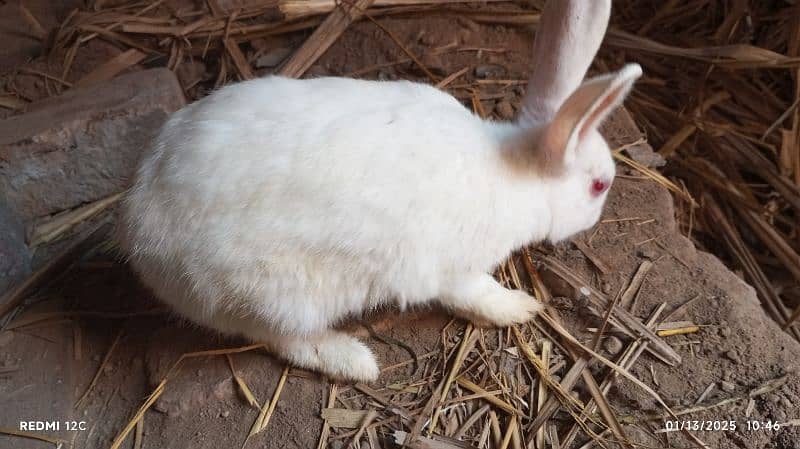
<point x="482" y="300"/>
<point x="506" y="307"/>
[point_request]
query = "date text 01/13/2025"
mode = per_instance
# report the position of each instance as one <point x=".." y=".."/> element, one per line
<point x="723" y="426"/>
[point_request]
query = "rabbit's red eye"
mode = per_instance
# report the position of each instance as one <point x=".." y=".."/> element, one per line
<point x="599" y="186"/>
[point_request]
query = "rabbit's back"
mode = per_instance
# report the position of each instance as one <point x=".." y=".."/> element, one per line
<point x="298" y="200"/>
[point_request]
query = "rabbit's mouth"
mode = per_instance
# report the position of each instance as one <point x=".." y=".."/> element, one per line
<point x="576" y="224"/>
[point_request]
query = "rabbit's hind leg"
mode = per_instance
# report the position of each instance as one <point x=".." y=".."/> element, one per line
<point x="330" y="352"/>
<point x="334" y="353"/>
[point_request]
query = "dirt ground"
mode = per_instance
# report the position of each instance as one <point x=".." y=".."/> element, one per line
<point x="46" y="365"/>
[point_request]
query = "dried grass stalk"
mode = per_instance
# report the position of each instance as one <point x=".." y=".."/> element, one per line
<point x="323" y="37"/>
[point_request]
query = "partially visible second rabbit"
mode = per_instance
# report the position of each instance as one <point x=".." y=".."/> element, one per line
<point x="275" y="208"/>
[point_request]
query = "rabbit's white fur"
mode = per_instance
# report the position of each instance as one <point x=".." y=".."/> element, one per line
<point x="274" y="208"/>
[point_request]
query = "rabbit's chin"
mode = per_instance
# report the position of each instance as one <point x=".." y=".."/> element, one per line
<point x="568" y="230"/>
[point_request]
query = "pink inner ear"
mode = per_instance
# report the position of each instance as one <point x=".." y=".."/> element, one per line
<point x="599" y="112"/>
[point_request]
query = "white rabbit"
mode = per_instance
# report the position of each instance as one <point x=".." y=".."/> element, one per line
<point x="275" y="208"/>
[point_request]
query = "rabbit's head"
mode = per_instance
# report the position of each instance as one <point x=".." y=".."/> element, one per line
<point x="564" y="113"/>
<point x="574" y="157"/>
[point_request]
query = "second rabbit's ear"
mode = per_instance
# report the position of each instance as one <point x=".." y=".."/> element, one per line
<point x="583" y="111"/>
<point x="567" y="40"/>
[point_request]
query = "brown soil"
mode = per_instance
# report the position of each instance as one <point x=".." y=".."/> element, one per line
<point x="46" y="367"/>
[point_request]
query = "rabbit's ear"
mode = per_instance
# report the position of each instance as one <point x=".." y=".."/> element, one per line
<point x="567" y="39"/>
<point x="583" y="112"/>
